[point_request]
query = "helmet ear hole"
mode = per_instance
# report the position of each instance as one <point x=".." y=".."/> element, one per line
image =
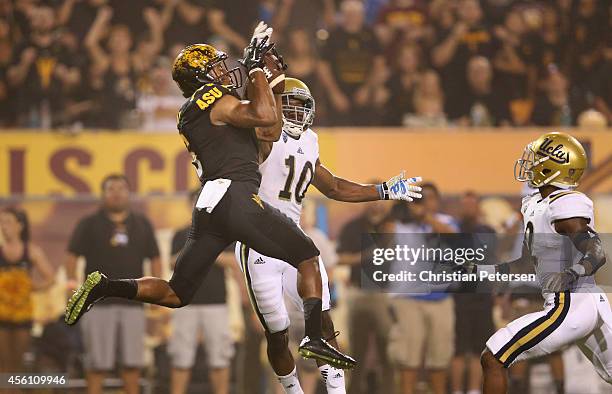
<point x="546" y="171"/>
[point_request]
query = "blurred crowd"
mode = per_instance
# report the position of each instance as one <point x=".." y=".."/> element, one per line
<point x="406" y="343"/>
<point x="105" y="64"/>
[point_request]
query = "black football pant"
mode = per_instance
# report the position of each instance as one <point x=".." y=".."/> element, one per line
<point x="240" y="216"/>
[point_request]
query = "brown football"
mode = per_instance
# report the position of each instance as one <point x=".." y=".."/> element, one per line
<point x="275" y="72"/>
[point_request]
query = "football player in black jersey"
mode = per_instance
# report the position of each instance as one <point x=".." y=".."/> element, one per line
<point x="222" y="132"/>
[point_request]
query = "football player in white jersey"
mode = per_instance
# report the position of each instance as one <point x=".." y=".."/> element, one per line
<point x="561" y="241"/>
<point x="288" y="167"/>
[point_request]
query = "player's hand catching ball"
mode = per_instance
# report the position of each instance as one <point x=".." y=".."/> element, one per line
<point x="261" y="31"/>
<point x="274" y="68"/>
<point x="254" y="55"/>
<point x="401" y="188"/>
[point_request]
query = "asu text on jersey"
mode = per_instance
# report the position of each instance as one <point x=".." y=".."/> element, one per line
<point x="217" y="151"/>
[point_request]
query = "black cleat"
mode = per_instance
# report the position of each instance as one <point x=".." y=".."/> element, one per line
<point x="90" y="292"/>
<point x="319" y="349"/>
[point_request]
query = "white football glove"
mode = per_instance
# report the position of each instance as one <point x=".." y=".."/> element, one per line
<point x="261" y="31"/>
<point x="400" y="188"/>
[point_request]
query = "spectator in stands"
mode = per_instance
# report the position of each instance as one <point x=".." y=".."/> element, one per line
<point x="77" y="17"/>
<point x="402" y="21"/>
<point x="402" y="83"/>
<point x="7" y="112"/>
<point x="516" y="60"/>
<point x="19" y="258"/>
<point x="42" y="73"/>
<point x="442" y="14"/>
<point x="186" y="21"/>
<point x="307" y="15"/>
<point x="427" y="317"/>
<point x="553" y="40"/>
<point x="481" y="105"/>
<point x="207" y="316"/>
<point x="556" y="106"/>
<point x="589" y="25"/>
<point x="468" y="37"/>
<point x="352" y="68"/>
<point x="368" y="314"/>
<point x="471" y="334"/>
<point x="602" y="83"/>
<point x="233" y="21"/>
<point x="117" y="241"/>
<point x="300" y="54"/>
<point x="159" y="101"/>
<point x="428" y="101"/>
<point x="116" y="66"/>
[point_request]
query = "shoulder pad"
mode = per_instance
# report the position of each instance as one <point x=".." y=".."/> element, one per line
<point x="568" y="204"/>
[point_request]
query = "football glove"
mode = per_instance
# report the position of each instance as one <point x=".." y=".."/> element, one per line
<point x="400" y="188"/>
<point x="561" y="281"/>
<point x="261" y="31"/>
<point x="254" y="54"/>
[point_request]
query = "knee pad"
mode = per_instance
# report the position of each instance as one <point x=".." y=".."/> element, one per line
<point x="270" y="305"/>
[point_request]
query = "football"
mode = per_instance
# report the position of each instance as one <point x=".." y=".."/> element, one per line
<point x="274" y="69"/>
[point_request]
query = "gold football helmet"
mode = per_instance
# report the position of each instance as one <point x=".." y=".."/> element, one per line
<point x="199" y="64"/>
<point x="298" y="107"/>
<point x="556" y="159"/>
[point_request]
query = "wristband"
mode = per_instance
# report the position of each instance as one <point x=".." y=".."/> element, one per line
<point x="381" y="191"/>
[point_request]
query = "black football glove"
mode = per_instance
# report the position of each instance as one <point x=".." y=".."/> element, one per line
<point x="279" y="59"/>
<point x="254" y="54"/>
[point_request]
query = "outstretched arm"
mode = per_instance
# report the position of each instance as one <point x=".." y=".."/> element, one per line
<point x="336" y="188"/>
<point x="341" y="189"/>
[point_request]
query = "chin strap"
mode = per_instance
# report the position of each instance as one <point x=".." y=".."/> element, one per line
<point x="290" y="128"/>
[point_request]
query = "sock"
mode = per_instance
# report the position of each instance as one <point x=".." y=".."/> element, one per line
<point x="290" y="383"/>
<point x="474" y="391"/>
<point x="333" y="378"/>
<point x="312" y="317"/>
<point x="123" y="288"/>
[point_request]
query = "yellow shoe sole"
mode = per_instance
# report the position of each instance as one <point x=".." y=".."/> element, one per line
<point x="76" y="302"/>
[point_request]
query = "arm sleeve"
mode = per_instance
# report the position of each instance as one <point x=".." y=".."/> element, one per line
<point x="572" y="205"/>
